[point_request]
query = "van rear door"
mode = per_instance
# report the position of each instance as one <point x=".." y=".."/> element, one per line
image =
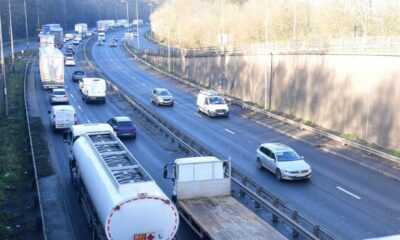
<point x="64" y="118"/>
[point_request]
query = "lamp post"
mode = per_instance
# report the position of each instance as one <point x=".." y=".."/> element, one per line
<point x="137" y="26"/>
<point x="3" y="70"/>
<point x="26" y="25"/>
<point x="11" y="31"/>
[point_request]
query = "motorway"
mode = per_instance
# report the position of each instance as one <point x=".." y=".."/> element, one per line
<point x="145" y="148"/>
<point x="351" y="201"/>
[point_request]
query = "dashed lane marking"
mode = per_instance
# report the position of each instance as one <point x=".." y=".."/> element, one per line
<point x="198" y="114"/>
<point x="229" y="131"/>
<point x="79" y="107"/>
<point x="348" y="192"/>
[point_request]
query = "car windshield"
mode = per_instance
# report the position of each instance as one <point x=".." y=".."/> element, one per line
<point x="59" y="93"/>
<point x="287" y="156"/>
<point x="125" y="124"/>
<point x="217" y="100"/>
<point x="163" y="93"/>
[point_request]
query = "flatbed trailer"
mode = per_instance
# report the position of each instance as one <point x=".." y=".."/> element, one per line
<point x="225" y="218"/>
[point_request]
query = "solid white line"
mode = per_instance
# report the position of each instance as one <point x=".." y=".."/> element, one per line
<point x="351" y="194"/>
<point x="79" y="107"/>
<point x="229" y="131"/>
<point x="197" y="114"/>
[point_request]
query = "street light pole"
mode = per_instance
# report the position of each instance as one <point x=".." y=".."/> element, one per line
<point x="3" y="70"/>
<point x="137" y="25"/>
<point x="168" y="43"/>
<point x="11" y="31"/>
<point x="26" y="26"/>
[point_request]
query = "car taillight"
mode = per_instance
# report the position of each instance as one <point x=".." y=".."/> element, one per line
<point x="117" y="129"/>
<point x="133" y="129"/>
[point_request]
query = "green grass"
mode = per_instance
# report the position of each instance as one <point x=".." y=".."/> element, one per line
<point x="395" y="153"/>
<point x="15" y="167"/>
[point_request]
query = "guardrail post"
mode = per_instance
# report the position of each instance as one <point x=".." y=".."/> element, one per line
<point x="295" y="234"/>
<point x="256" y="203"/>
<point x="275" y="204"/>
<point x="241" y="192"/>
<point x="316" y="230"/>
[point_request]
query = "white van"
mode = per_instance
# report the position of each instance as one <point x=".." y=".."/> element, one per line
<point x="62" y="117"/>
<point x="212" y="104"/>
<point x="101" y="36"/>
<point x="93" y="89"/>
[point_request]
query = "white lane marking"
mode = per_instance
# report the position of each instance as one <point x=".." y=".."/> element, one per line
<point x="144" y="84"/>
<point x="133" y="78"/>
<point x="244" y="116"/>
<point x="197" y="114"/>
<point x="229" y="131"/>
<point x="72" y="95"/>
<point x="350" y="193"/>
<point x="119" y="67"/>
<point x="79" y="107"/>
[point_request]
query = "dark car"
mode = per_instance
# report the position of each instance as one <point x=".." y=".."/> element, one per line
<point x="78" y="75"/>
<point x="123" y="126"/>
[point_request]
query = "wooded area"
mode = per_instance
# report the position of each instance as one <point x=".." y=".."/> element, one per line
<point x="65" y="12"/>
<point x="198" y="23"/>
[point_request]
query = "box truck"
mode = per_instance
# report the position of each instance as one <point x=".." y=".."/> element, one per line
<point x="81" y="28"/>
<point x="51" y="67"/>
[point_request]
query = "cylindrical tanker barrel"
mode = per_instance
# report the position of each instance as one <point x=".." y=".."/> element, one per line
<point x="129" y="204"/>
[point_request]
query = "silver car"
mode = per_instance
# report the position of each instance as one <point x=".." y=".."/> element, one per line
<point x="161" y="96"/>
<point x="58" y="95"/>
<point x="283" y="161"/>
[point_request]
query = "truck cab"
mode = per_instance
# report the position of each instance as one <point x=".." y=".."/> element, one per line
<point x="199" y="177"/>
<point x="212" y="104"/>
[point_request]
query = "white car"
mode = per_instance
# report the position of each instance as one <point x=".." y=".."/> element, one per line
<point x="283" y="161"/>
<point x="212" y="104"/>
<point x="58" y="95"/>
<point x="161" y="96"/>
<point x="76" y="41"/>
<point x="69" y="61"/>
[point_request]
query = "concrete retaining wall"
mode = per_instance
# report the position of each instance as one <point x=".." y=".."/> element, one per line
<point x="356" y="94"/>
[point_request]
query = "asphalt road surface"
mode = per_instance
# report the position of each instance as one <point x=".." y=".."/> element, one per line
<point x="349" y="200"/>
<point x="151" y="154"/>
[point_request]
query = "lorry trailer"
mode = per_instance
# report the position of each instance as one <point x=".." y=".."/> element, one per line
<point x="119" y="198"/>
<point x="51" y="67"/>
<point x="202" y="192"/>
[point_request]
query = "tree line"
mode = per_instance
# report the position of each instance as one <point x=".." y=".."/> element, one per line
<point x="65" y="12"/>
<point x="199" y="23"/>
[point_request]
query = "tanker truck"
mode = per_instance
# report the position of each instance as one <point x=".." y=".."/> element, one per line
<point x="119" y="198"/>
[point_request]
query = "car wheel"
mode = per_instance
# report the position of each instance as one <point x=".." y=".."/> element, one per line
<point x="172" y="104"/>
<point x="157" y="103"/>
<point x="259" y="165"/>
<point x="278" y="175"/>
<point x="208" y="113"/>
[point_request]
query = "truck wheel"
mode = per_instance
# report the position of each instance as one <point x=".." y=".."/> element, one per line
<point x="259" y="164"/>
<point x="278" y="175"/>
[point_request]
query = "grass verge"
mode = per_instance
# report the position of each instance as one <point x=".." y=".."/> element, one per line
<point x="19" y="215"/>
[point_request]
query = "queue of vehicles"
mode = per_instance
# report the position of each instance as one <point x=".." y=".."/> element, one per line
<point x="122" y="201"/>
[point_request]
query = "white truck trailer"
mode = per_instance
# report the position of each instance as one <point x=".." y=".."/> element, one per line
<point x="46" y="40"/>
<point x="119" y="198"/>
<point x="51" y="67"/>
<point x="202" y="191"/>
<point x="81" y="28"/>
